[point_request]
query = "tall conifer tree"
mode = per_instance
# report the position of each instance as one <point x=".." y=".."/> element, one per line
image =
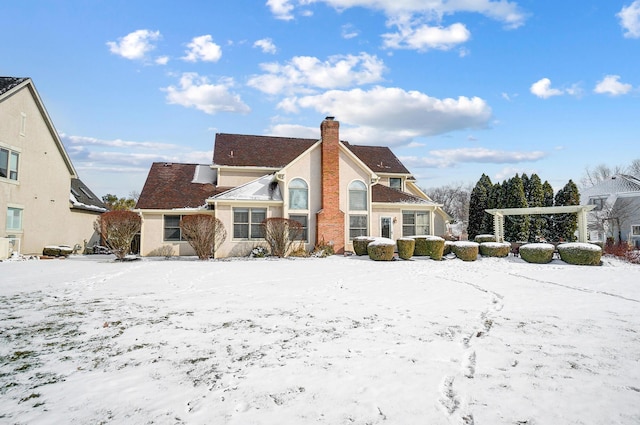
<point x="478" y="202"/>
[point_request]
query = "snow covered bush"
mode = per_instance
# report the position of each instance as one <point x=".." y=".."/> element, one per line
<point x="204" y="232"/>
<point x="539" y="253"/>
<point x="495" y="249"/>
<point x="484" y="238"/>
<point x="57" y="250"/>
<point x="582" y="254"/>
<point x="429" y="246"/>
<point x="281" y="234"/>
<point x="118" y="228"/>
<point x="165" y="251"/>
<point x="465" y="250"/>
<point x="381" y="249"/>
<point x="406" y="246"/>
<point x="360" y="244"/>
<point x="258" y="252"/>
<point x="323" y="249"/>
<point x="447" y="247"/>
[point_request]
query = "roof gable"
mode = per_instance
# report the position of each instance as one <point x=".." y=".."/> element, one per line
<point x="619" y="183"/>
<point x="81" y="197"/>
<point x="239" y="150"/>
<point x="172" y="185"/>
<point x="263" y="189"/>
<point x="379" y="159"/>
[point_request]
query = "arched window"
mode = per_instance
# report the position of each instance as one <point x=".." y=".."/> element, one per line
<point x="298" y="195"/>
<point x="357" y="196"/>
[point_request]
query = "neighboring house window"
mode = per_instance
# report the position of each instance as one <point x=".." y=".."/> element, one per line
<point x="246" y="222"/>
<point x="14" y="219"/>
<point x="395" y="183"/>
<point x="298" y="195"/>
<point x="358" y="223"/>
<point x="172" y="232"/>
<point x="598" y="202"/>
<point x="635" y="230"/>
<point x="304" y="220"/>
<point x="9" y="164"/>
<point x="415" y="223"/>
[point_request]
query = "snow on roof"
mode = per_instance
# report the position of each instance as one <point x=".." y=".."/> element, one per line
<point x="84" y="206"/>
<point x="263" y="189"/>
<point x="619" y="183"/>
<point x="204" y="174"/>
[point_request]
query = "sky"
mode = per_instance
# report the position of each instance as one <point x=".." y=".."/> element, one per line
<point x="455" y="88"/>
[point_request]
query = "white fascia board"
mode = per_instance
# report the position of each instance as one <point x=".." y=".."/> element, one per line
<point x="358" y="161"/>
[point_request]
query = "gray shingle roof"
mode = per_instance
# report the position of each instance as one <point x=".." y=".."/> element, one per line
<point x="7" y="83"/>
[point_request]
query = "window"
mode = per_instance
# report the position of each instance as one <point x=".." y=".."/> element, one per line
<point x="172" y="228"/>
<point x="304" y="220"/>
<point x="598" y="202"/>
<point x="357" y="196"/>
<point x="298" y="195"/>
<point x="14" y="219"/>
<point x="246" y="222"/>
<point x="395" y="183"/>
<point x="357" y="226"/>
<point x="9" y="164"/>
<point x="415" y="223"/>
<point x="635" y="230"/>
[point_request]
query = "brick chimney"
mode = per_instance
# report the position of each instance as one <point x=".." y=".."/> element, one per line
<point x="330" y="219"/>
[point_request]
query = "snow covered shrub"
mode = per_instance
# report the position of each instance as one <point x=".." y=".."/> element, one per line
<point x="118" y="228"/>
<point x="258" y="252"/>
<point x="165" y="251"/>
<point x="360" y="244"/>
<point x="204" y="232"/>
<point x="495" y="249"/>
<point x="465" y="250"/>
<point x="406" y="247"/>
<point x="323" y="249"/>
<point x="280" y="234"/>
<point x="484" y="238"/>
<point x="429" y="246"/>
<point x="447" y="247"/>
<point x="57" y="250"/>
<point x="381" y="249"/>
<point x="582" y="254"/>
<point x="299" y="251"/>
<point x="539" y="253"/>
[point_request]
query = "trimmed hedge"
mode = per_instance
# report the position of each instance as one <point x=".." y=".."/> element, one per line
<point x="581" y="254"/>
<point x="429" y="246"/>
<point x="465" y="250"/>
<point x="57" y="251"/>
<point x="381" y="249"/>
<point x="447" y="247"/>
<point x="538" y="253"/>
<point x="360" y="244"/>
<point x="495" y="249"/>
<point x="484" y="238"/>
<point x="406" y="246"/>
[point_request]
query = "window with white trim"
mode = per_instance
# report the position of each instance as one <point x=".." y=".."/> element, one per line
<point x="9" y="164"/>
<point x="14" y="219"/>
<point x="415" y="223"/>
<point x="172" y="231"/>
<point x="298" y="195"/>
<point x="635" y="230"/>
<point x="358" y="225"/>
<point x="395" y="183"/>
<point x="357" y="196"/>
<point x="246" y="223"/>
<point x="304" y="221"/>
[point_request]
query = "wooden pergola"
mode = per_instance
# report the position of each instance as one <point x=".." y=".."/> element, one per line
<point x="580" y="210"/>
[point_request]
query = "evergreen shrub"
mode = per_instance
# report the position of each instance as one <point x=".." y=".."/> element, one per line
<point x="447" y="247"/>
<point x="429" y="246"/>
<point x="381" y="249"/>
<point x="495" y="249"/>
<point x="582" y="254"/>
<point x="406" y="246"/>
<point x="465" y="250"/>
<point x="484" y="238"/>
<point x="360" y="244"/>
<point x="539" y="253"/>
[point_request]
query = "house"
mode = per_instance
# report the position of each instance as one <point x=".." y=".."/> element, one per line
<point x="43" y="201"/>
<point x="617" y="211"/>
<point x="336" y="190"/>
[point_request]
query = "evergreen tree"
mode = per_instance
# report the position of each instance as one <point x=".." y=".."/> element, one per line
<point x="565" y="225"/>
<point x="495" y="201"/>
<point x="548" y="199"/>
<point x="516" y="228"/>
<point x="478" y="202"/>
<point x="535" y="198"/>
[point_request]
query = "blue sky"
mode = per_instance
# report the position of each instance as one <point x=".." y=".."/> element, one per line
<point x="456" y="88"/>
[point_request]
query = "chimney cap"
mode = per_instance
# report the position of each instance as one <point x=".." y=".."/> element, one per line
<point x="329" y="118"/>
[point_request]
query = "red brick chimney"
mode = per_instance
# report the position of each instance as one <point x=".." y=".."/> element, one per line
<point x="330" y="219"/>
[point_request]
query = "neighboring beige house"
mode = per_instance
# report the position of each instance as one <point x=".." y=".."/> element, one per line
<point x="338" y="191"/>
<point x="42" y="200"/>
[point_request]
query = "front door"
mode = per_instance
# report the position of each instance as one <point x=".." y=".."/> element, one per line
<point x="385" y="227"/>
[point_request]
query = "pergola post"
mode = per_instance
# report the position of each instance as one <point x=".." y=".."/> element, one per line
<point x="498" y="227"/>
<point x="582" y="225"/>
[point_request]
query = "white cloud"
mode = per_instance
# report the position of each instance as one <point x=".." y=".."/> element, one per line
<point x="197" y="92"/>
<point x="281" y="9"/>
<point x="202" y="48"/>
<point x="116" y="143"/>
<point x="542" y="88"/>
<point x="445" y="158"/>
<point x="630" y="19"/>
<point x="304" y="74"/>
<point x="349" y="32"/>
<point x="611" y="85"/>
<point x="381" y="113"/>
<point x="425" y="37"/>
<point x="266" y="44"/>
<point x="134" y="45"/>
<point x="162" y="60"/>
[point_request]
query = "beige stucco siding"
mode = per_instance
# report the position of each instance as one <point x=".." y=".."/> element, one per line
<point x="350" y="170"/>
<point x="237" y="177"/>
<point x="237" y="247"/>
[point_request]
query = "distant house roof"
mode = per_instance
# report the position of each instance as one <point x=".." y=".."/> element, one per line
<point x="379" y="158"/>
<point x="82" y="198"/>
<point x="242" y="150"/>
<point x="616" y="184"/>
<point x="173" y="185"/>
<point x="7" y="83"/>
<point x="384" y="194"/>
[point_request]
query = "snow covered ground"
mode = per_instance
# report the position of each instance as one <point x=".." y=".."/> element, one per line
<point x="342" y="340"/>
